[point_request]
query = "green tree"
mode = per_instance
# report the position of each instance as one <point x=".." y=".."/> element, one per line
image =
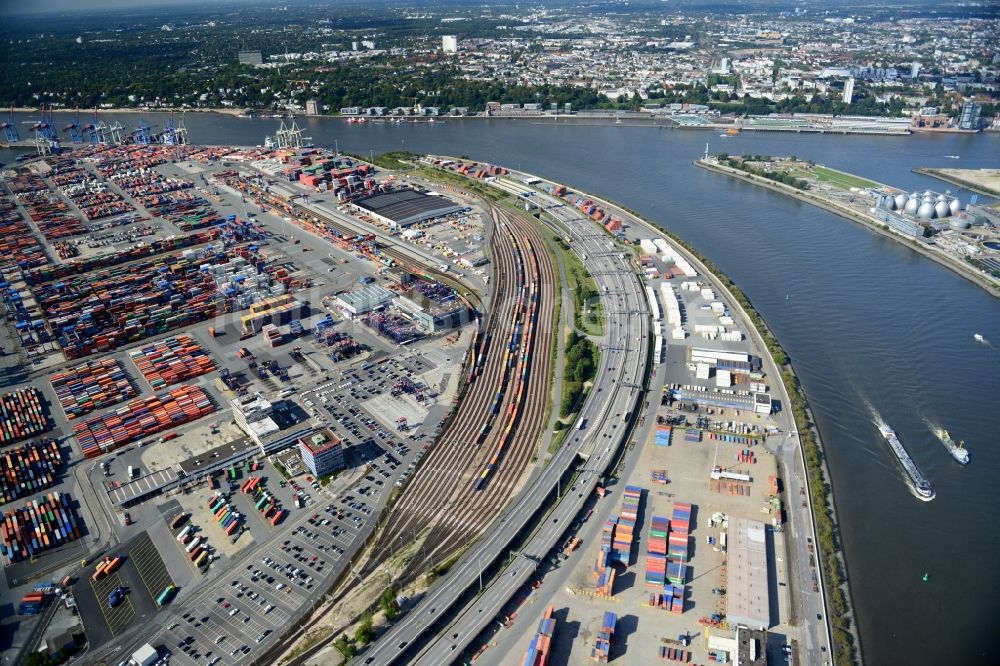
<point x="389" y="604"/>
<point x="364" y="633"/>
<point x="345" y="647"/>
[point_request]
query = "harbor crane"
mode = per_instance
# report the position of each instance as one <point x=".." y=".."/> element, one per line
<point x="73" y="128"/>
<point x="91" y="132"/>
<point x="287" y="137"/>
<point x="113" y="134"/>
<point x="174" y="136"/>
<point x="143" y="135"/>
<point x="46" y="138"/>
<point x="10" y="128"/>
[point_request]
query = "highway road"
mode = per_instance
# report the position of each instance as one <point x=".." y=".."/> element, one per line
<point x="617" y="391"/>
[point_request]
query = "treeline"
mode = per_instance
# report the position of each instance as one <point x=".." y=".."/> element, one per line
<point x="744" y="164"/>
<point x="581" y="359"/>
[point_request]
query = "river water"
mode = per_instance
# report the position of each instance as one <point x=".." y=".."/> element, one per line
<point x="871" y="326"/>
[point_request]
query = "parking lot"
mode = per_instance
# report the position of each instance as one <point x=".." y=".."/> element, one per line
<point x="259" y="596"/>
<point x="150" y="565"/>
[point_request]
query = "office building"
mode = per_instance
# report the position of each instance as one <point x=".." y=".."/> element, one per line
<point x="322" y="452"/>
<point x="849" y="91"/>
<point x="250" y="57"/>
<point x="449" y="44"/>
<point x="969" y="118"/>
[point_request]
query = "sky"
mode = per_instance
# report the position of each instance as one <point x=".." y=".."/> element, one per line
<point x="40" y="6"/>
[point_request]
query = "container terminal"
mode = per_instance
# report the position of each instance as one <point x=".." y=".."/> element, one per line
<point x="265" y="341"/>
<point x="239" y="354"/>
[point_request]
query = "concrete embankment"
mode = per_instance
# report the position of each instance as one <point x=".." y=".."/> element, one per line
<point x="990" y="284"/>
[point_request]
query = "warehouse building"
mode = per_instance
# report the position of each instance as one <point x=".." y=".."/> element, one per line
<point x="747" y="594"/>
<point x="364" y="300"/>
<point x="278" y="310"/>
<point x="322" y="452"/>
<point x="403" y="208"/>
<point x="431" y="316"/>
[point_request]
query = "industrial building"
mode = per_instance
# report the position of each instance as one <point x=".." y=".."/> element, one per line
<point x="252" y="413"/>
<point x="751" y="647"/>
<point x="363" y="300"/>
<point x="909" y="213"/>
<point x="403" y="208"/>
<point x="898" y="222"/>
<point x="432" y="316"/>
<point x="322" y="452"/>
<point x="748" y="603"/>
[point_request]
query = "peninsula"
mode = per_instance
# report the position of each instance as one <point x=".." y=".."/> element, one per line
<point x="956" y="234"/>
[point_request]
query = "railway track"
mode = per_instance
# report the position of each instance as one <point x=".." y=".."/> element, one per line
<point x="478" y="462"/>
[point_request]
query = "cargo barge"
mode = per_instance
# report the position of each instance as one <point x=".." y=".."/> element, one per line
<point x="921" y="487"/>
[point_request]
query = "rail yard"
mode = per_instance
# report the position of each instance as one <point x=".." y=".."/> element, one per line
<point x="244" y="380"/>
<point x="480" y="459"/>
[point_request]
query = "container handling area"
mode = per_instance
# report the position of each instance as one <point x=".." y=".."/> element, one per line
<point x="681" y="555"/>
<point x="237" y="356"/>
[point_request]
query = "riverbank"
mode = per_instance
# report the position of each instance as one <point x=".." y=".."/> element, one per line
<point x="989" y="284"/>
<point x="86" y="112"/>
<point x="982" y="181"/>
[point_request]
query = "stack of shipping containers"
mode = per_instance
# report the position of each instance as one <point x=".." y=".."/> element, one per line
<point x="21" y="415"/>
<point x="656" y="553"/>
<point x="541" y="643"/>
<point x="603" y="571"/>
<point x="171" y="361"/>
<point x="140" y="418"/>
<point x="677" y="552"/>
<point x="28" y="469"/>
<point x="601" y="651"/>
<point x="91" y="386"/>
<point x="38" y="526"/>
<point x="621" y="548"/>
